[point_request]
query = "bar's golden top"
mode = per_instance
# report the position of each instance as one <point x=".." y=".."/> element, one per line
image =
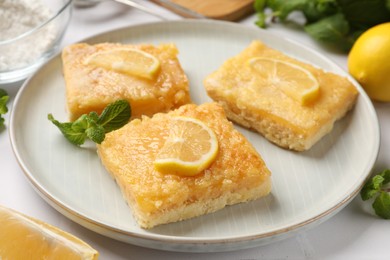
<point x="268" y="109"/>
<point x="237" y="174"/>
<point x="92" y="88"/>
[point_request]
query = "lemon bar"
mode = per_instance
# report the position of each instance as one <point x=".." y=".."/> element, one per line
<point x="238" y="173"/>
<point x="91" y="85"/>
<point x="257" y="99"/>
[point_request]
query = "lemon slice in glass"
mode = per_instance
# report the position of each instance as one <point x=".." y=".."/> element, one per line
<point x="295" y="81"/>
<point x="190" y="148"/>
<point x="23" y="237"/>
<point x="126" y="60"/>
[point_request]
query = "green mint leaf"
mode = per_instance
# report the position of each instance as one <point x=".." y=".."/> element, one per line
<point x="115" y="115"/>
<point x="375" y="187"/>
<point x="259" y="5"/>
<point x="316" y="10"/>
<point x="3" y="105"/>
<point x="331" y="30"/>
<point x="386" y="176"/>
<point x="81" y="124"/>
<point x="282" y="8"/>
<point x="337" y="23"/>
<point x="93" y="126"/>
<point x="93" y="116"/>
<point x="72" y="135"/>
<point x="3" y="93"/>
<point x="261" y="20"/>
<point x="363" y="14"/>
<point x="96" y="134"/>
<point x="372" y="187"/>
<point x="3" y="101"/>
<point x="381" y="205"/>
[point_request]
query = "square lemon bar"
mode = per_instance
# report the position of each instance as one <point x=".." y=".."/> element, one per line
<point x="149" y="77"/>
<point x="237" y="174"/>
<point x="291" y="103"/>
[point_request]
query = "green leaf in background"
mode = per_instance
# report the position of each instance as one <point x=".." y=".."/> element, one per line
<point x="375" y="184"/>
<point x="3" y="105"/>
<point x="375" y="187"/>
<point x="335" y="22"/>
<point x="386" y="175"/>
<point x="372" y="187"/>
<point x="363" y="14"/>
<point x="333" y="29"/>
<point x="282" y="8"/>
<point x="259" y="5"/>
<point x="381" y="205"/>
<point x="315" y="10"/>
<point x="261" y="20"/>
<point x="3" y="93"/>
<point x="3" y="101"/>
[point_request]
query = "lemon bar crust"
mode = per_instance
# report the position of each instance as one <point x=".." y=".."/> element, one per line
<point x="238" y="173"/>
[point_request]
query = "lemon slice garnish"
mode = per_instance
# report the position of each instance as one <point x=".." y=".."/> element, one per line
<point x="23" y="237"/>
<point x="189" y="149"/>
<point x="126" y="60"/>
<point x="295" y="81"/>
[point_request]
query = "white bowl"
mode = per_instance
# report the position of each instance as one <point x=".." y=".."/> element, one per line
<point x="31" y="33"/>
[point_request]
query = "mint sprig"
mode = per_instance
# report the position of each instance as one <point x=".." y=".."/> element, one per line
<point x="337" y="23"/>
<point x="3" y="105"/>
<point x="93" y="126"/>
<point x="376" y="188"/>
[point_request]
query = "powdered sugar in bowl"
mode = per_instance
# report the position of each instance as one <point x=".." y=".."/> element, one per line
<point x="30" y="33"/>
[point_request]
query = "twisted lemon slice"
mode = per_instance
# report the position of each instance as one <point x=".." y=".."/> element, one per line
<point x="295" y="81"/>
<point x="190" y="148"/>
<point x="126" y="60"/>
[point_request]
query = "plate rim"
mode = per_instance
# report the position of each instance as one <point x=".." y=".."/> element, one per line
<point x="217" y="244"/>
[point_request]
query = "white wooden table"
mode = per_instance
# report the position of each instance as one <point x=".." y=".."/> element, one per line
<point x="350" y="234"/>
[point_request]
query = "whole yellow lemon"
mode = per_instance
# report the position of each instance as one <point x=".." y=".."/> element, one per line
<point x="369" y="62"/>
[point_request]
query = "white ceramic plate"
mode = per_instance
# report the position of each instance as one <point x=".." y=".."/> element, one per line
<point x="308" y="187"/>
